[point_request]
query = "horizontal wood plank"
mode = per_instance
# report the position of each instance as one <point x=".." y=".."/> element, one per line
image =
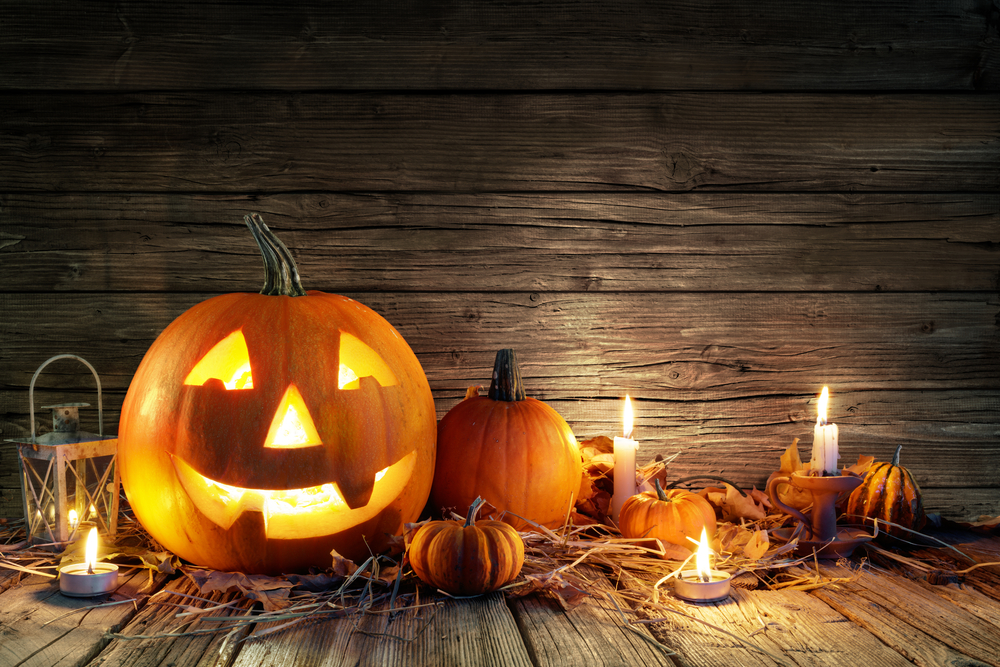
<point x="632" y="44"/>
<point x="517" y="242"/>
<point x="144" y="642"/>
<point x="665" y="346"/>
<point x="930" y="614"/>
<point x="769" y="624"/>
<point x="265" y="143"/>
<point x="592" y="633"/>
<point x="478" y="632"/>
<point x="44" y="628"/>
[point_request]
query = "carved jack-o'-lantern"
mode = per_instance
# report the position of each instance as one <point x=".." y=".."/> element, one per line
<point x="261" y="431"/>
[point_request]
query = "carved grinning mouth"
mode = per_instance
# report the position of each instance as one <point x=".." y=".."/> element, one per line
<point x="292" y="513"/>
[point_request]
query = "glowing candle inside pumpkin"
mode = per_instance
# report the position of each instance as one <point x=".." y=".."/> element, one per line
<point x="73" y="519"/>
<point x="825" y="453"/>
<point x="624" y="463"/>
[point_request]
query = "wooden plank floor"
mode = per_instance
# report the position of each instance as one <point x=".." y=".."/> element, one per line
<point x="869" y="615"/>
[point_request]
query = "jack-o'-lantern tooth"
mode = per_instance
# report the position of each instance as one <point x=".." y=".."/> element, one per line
<point x="228" y="361"/>
<point x="292" y="426"/>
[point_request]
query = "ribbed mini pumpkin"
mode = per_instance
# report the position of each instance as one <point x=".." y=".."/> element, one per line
<point x="671" y="516"/>
<point x="467" y="559"/>
<point x="517" y="453"/>
<point x="889" y="493"/>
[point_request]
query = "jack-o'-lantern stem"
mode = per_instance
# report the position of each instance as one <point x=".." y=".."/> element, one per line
<point x="506" y="384"/>
<point x="281" y="276"/>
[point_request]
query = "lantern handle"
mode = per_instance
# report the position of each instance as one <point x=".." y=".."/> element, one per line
<point x="31" y="393"/>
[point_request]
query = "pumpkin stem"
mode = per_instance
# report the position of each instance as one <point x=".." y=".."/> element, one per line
<point x="470" y="519"/>
<point x="506" y="384"/>
<point x="895" y="457"/>
<point x="281" y="276"/>
<point x="659" y="491"/>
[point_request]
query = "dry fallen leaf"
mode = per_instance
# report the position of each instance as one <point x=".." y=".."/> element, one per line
<point x="757" y="546"/>
<point x="568" y="594"/>
<point x="792" y="496"/>
<point x="272" y="592"/>
<point x="342" y="567"/>
<point x="733" y="505"/>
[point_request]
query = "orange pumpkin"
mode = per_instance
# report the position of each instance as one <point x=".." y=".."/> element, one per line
<point x="671" y="516"/>
<point x="888" y="493"/>
<point x="515" y="452"/>
<point x="467" y="559"/>
<point x="262" y="431"/>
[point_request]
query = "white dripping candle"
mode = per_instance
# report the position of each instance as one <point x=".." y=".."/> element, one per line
<point x="825" y="453"/>
<point x="624" y="463"/>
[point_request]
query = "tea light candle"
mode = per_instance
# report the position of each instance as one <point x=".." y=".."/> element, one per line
<point x="824" y="453"/>
<point x="703" y="584"/>
<point x="624" y="463"/>
<point x="88" y="578"/>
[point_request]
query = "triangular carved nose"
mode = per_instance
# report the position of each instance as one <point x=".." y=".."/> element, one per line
<point x="292" y="426"/>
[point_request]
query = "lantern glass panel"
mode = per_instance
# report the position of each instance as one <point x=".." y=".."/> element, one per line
<point x="68" y="484"/>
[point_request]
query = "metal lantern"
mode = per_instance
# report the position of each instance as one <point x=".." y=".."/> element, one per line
<point x="68" y="477"/>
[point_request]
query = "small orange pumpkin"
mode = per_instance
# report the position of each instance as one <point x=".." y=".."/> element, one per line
<point x="467" y="559"/>
<point x="889" y="493"/>
<point x="517" y="453"/>
<point x="671" y="516"/>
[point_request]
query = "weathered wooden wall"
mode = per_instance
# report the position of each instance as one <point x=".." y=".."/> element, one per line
<point x="715" y="207"/>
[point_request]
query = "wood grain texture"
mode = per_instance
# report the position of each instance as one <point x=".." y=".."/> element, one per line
<point x="780" y="623"/>
<point x="632" y="44"/>
<point x="669" y="347"/>
<point x="726" y="381"/>
<point x="160" y="617"/>
<point x="478" y="631"/>
<point x="41" y="628"/>
<point x="517" y="242"/>
<point x="593" y="633"/>
<point x="912" y="643"/>
<point x="927" y="612"/>
<point x="265" y="143"/>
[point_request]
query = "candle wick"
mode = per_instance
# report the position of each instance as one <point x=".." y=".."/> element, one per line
<point x="90" y="568"/>
<point x="705" y="577"/>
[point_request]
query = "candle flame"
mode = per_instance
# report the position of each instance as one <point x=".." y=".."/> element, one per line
<point x="627" y="418"/>
<point x="701" y="558"/>
<point x="824" y="400"/>
<point x="73" y="518"/>
<point x="90" y="557"/>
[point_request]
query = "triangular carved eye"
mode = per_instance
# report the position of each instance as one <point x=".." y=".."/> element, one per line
<point x="228" y="361"/>
<point x="292" y="426"/>
<point x="357" y="360"/>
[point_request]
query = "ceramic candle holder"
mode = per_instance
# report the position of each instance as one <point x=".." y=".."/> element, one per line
<point x="820" y="533"/>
